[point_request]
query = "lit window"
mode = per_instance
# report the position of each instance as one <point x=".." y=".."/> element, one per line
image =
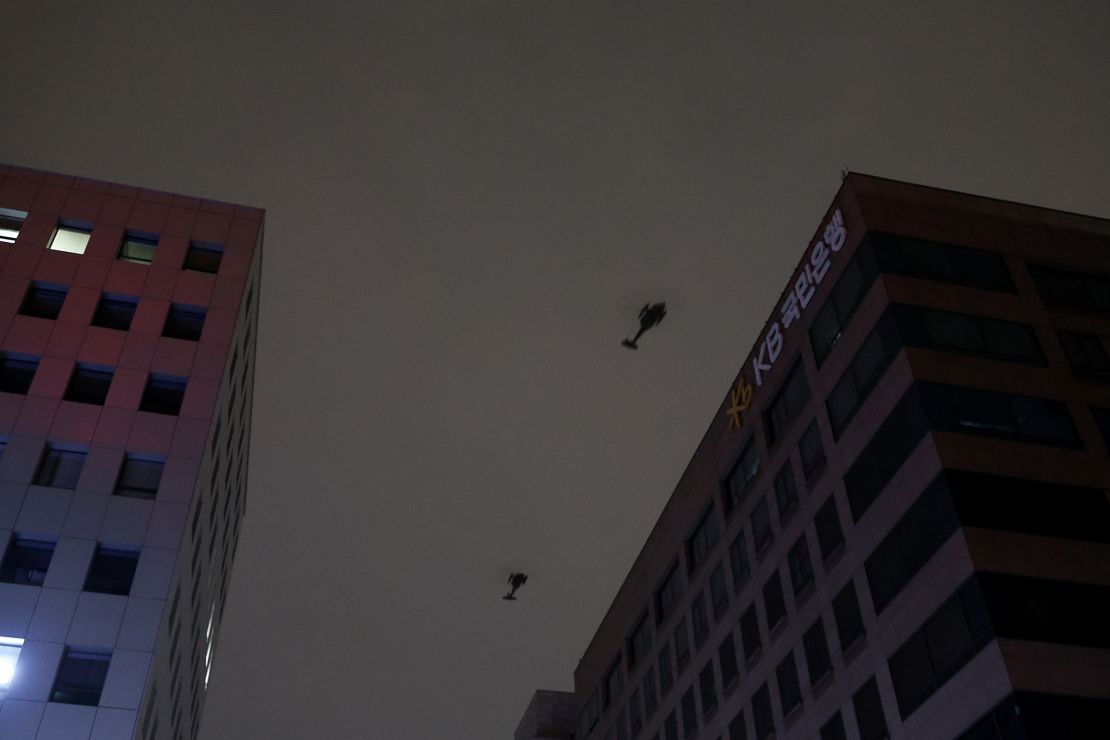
<point x="44" y="300"/>
<point x="184" y="322"/>
<point x="60" y="468"/>
<point x="80" y="677"/>
<point x="163" y="394"/>
<point x="115" y="311"/>
<point x="138" y="247"/>
<point x="111" y="571"/>
<point x="26" y="561"/>
<point x="9" y="656"/>
<point x="11" y="222"/>
<point x="139" y="477"/>
<point x="203" y="257"/>
<point x="71" y="237"/>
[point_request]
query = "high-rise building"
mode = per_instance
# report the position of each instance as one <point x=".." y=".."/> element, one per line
<point x="127" y="320"/>
<point x="897" y="525"/>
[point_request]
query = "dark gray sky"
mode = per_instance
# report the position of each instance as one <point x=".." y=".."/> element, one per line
<point x="466" y="204"/>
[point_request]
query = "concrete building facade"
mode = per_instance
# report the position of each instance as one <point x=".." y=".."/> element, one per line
<point x="897" y="525"/>
<point x="127" y="331"/>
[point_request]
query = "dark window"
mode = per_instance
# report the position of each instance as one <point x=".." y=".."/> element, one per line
<point x="955" y="408"/>
<point x="811" y="452"/>
<point x="11" y="223"/>
<point x="689" y="713"/>
<point x="138" y="247"/>
<point x="749" y="634"/>
<point x="139" y="476"/>
<point x="670" y="727"/>
<point x="920" y="258"/>
<point x="774" y="603"/>
<point x="702" y="540"/>
<point x="26" y="561"/>
<point x="60" y="468"/>
<point x="786" y="493"/>
<point x="834" y="728"/>
<point x="1043" y="610"/>
<point x="743" y="472"/>
<point x="762" y="535"/>
<point x="1071" y="288"/>
<point x="869" y="712"/>
<point x="639" y="642"/>
<point x="590" y="712"/>
<point x="115" y="311"/>
<point x="44" y="300"/>
<point x="184" y="322"/>
<point x="718" y="591"/>
<point x="203" y="257"/>
<point x="666" y="672"/>
<point x="862" y="374"/>
<point x="112" y="571"/>
<point x="932" y="328"/>
<point x="707" y="687"/>
<point x="921" y="531"/>
<point x="651" y="700"/>
<point x="849" y="621"/>
<point x="827" y="523"/>
<point x="611" y="688"/>
<point x="1086" y="355"/>
<point x="80" y="677"/>
<point x="635" y="717"/>
<point x="1102" y="421"/>
<point x="737" y="728"/>
<point x="790" y="692"/>
<point x="739" y="561"/>
<point x="787" y="404"/>
<point x="89" y="384"/>
<point x="801" y="569"/>
<point x="816" y="647"/>
<point x="884" y="454"/>
<point x="17" y="372"/>
<point x="666" y="596"/>
<point x="833" y="318"/>
<point x="726" y="653"/>
<point x="163" y="394"/>
<point x="699" y="619"/>
<point x="681" y="644"/>
<point x="622" y="725"/>
<point x="761" y="713"/>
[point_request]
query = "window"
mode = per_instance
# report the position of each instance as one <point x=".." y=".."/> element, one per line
<point x="740" y="477"/>
<point x="26" y="561"/>
<point x="1030" y="715"/>
<point x="739" y="561"/>
<point x="786" y="493"/>
<point x="862" y="374"/>
<point x="60" y="467"/>
<point x="622" y="725"/>
<point x="111" y="571"/>
<point x="834" y="728"/>
<point x="613" y="685"/>
<point x="115" y="311"/>
<point x="761" y="527"/>
<point x="921" y="531"/>
<point x="790" y="693"/>
<point x="689" y="713"/>
<point x="955" y="408"/>
<point x="833" y="318"/>
<point x="707" y="686"/>
<point x="163" y="394"/>
<point x="749" y="635"/>
<point x="699" y="619"/>
<point x="827" y="523"/>
<point x="761" y="713"/>
<point x="1071" y="288"/>
<point x="138" y="247"/>
<point x="801" y="569"/>
<point x="811" y="452"/>
<point x="666" y="672"/>
<point x="869" y="712"/>
<point x="774" y="603"/>
<point x="70" y="237"/>
<point x="651" y="700"/>
<point x="1086" y="355"/>
<point x="718" y="591"/>
<point x="670" y="727"/>
<point x="139" y="476"/>
<point x="849" y="621"/>
<point x="928" y="260"/>
<point x="44" y="300"/>
<point x="702" y="540"/>
<point x="10" y="647"/>
<point x="787" y="404"/>
<point x="947" y="640"/>
<point x="635" y="717"/>
<point x="203" y="257"/>
<point x="1102" y="421"/>
<point x="16" y="372"/>
<point x="816" y="647"/>
<point x="1044" y="610"/>
<point x="80" y="677"/>
<point x="932" y="328"/>
<point x="737" y="728"/>
<point x="89" y="384"/>
<point x="639" y="642"/>
<point x="11" y="223"/>
<point x="726" y="654"/>
<point x="184" y="322"/>
<point x="681" y="644"/>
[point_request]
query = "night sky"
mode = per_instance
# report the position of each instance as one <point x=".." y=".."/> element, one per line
<point x="466" y="205"/>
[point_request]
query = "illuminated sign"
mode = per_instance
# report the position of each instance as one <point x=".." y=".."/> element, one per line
<point x="741" y="399"/>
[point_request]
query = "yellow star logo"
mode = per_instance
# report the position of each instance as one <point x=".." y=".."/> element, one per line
<point x="740" y="399"/>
